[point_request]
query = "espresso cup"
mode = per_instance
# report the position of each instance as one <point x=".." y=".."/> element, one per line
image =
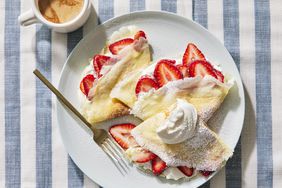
<point x="34" y="16"/>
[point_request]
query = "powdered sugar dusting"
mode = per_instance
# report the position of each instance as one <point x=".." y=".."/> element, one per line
<point x="205" y="151"/>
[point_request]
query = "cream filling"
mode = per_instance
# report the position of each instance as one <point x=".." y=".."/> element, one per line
<point x="169" y="173"/>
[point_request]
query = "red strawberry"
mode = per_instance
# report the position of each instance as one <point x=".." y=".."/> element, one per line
<point x="145" y="84"/>
<point x="142" y="155"/>
<point x="86" y="84"/>
<point x="219" y="75"/>
<point x="165" y="72"/>
<point x="119" y="45"/>
<point x="201" y="68"/>
<point x="121" y="134"/>
<point x="139" y="34"/>
<point x="186" y="170"/>
<point x="184" y="70"/>
<point x="206" y="173"/>
<point x="98" y="62"/>
<point x="192" y="53"/>
<point x="158" y="166"/>
<point x="168" y="61"/>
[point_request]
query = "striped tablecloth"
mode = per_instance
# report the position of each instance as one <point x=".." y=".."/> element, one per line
<point x="31" y="150"/>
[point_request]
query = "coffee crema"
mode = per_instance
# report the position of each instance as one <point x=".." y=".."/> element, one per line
<point x="60" y="11"/>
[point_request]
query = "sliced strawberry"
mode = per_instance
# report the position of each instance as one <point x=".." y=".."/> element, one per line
<point x="219" y="75"/>
<point x="201" y="68"/>
<point x="87" y="83"/>
<point x="81" y="86"/>
<point x="192" y="53"/>
<point x="139" y="34"/>
<point x="145" y="84"/>
<point x="142" y="155"/>
<point x="206" y="173"/>
<point x="119" y="45"/>
<point x="158" y="166"/>
<point x="165" y="72"/>
<point x="98" y="62"/>
<point x="168" y="61"/>
<point x="184" y="70"/>
<point x="121" y="134"/>
<point x="186" y="170"/>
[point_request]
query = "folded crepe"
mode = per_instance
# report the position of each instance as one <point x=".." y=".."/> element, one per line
<point x="204" y="151"/>
<point x="124" y="91"/>
<point x="206" y="94"/>
<point x="130" y="61"/>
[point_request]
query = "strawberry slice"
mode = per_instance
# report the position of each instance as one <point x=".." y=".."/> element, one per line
<point x="192" y="53"/>
<point x="87" y="83"/>
<point x="122" y="135"/>
<point x="165" y="72"/>
<point x="168" y="61"/>
<point x="98" y="62"/>
<point x="158" y="166"/>
<point x="186" y="170"/>
<point x="119" y="45"/>
<point x="184" y="70"/>
<point x="219" y="75"/>
<point x="142" y="155"/>
<point x="206" y="173"/>
<point x="201" y="68"/>
<point x="145" y="84"/>
<point x="139" y="34"/>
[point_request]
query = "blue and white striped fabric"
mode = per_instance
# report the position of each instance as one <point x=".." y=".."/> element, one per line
<point x="31" y="150"/>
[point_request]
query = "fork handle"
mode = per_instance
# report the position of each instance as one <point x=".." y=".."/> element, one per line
<point x="62" y="98"/>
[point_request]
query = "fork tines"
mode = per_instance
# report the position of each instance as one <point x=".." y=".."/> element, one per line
<point x="116" y="154"/>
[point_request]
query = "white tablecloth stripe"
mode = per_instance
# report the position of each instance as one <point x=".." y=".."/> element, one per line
<point x="28" y="113"/>
<point x="59" y="155"/>
<point x="276" y="72"/>
<point x="247" y="52"/>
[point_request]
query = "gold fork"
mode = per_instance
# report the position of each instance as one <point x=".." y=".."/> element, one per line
<point x="100" y="136"/>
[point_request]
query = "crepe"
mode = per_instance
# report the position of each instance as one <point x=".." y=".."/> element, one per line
<point x="125" y="90"/>
<point x="206" y="94"/>
<point x="205" y="151"/>
<point x="102" y="107"/>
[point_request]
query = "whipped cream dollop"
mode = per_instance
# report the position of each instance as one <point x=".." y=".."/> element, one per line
<point x="180" y="124"/>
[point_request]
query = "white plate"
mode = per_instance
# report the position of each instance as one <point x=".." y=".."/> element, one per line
<point x="168" y="34"/>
